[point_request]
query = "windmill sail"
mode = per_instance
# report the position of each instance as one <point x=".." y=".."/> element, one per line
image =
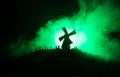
<point x="67" y="41"/>
<point x="64" y="29"/>
<point x="62" y="37"/>
<point x="72" y="33"/>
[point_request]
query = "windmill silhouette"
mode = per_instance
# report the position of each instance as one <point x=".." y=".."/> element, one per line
<point x="67" y="41"/>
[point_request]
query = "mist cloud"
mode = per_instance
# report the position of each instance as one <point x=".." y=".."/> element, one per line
<point x="97" y="18"/>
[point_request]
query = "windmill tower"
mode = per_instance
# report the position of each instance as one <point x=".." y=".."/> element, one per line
<point x="67" y="41"/>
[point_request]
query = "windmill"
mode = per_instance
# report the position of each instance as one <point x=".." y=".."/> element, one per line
<point x="67" y="41"/>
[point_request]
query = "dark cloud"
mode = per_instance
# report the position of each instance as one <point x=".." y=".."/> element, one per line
<point x="25" y="17"/>
<point x="116" y="3"/>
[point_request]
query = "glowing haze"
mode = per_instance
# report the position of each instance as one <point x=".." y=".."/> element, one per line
<point x="92" y="23"/>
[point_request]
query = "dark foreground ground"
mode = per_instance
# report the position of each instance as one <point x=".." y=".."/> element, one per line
<point x="52" y="62"/>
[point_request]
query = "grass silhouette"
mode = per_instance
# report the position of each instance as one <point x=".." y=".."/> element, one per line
<point x="57" y="61"/>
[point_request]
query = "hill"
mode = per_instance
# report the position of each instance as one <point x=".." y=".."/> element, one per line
<point x="57" y="61"/>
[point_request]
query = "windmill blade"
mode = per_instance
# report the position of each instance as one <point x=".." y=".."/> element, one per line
<point x="72" y="33"/>
<point x="64" y="29"/>
<point x="61" y="38"/>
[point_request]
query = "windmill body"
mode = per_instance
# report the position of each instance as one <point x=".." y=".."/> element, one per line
<point x="66" y="39"/>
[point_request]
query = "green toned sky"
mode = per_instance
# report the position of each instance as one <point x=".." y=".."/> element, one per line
<point x="94" y="21"/>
